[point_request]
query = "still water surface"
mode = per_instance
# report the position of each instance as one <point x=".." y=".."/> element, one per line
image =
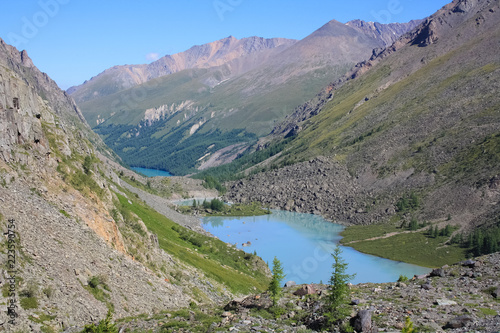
<point x="152" y="172"/>
<point x="304" y="243"/>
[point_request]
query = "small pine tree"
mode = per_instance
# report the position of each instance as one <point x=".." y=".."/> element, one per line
<point x="275" y="285"/>
<point x="408" y="328"/>
<point x="448" y="231"/>
<point x="413" y="224"/>
<point x="435" y="234"/>
<point x="194" y="203"/>
<point x="104" y="326"/>
<point x="206" y="204"/>
<point x="339" y="290"/>
<point x="414" y="201"/>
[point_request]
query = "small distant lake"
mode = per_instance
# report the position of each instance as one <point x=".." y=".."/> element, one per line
<point x="304" y="243"/>
<point x="152" y="172"/>
<point x="189" y="202"/>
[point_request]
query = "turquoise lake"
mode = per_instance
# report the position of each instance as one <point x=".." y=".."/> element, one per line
<point x="304" y="243"/>
<point x="152" y="172"/>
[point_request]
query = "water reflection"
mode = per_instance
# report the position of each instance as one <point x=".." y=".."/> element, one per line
<point x="303" y="243"/>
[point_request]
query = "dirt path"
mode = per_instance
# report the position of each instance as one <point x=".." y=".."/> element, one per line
<point x="163" y="205"/>
<point x="384" y="236"/>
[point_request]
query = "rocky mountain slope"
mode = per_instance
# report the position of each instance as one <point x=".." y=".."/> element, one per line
<point x="421" y="116"/>
<point x="76" y="243"/>
<point x="387" y="33"/>
<point x="238" y="55"/>
<point x="214" y="107"/>
<point x="463" y="297"/>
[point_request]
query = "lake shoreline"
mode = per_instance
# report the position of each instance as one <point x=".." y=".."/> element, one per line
<point x="304" y="245"/>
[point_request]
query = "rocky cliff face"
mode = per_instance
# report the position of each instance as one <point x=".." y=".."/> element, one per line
<point x="75" y="251"/>
<point x="65" y="234"/>
<point x="387" y="33"/>
<point x="42" y="126"/>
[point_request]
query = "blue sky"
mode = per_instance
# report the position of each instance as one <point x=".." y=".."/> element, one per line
<point x="73" y="40"/>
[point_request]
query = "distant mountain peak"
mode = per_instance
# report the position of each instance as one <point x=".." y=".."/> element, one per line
<point x="217" y="53"/>
<point x="387" y="33"/>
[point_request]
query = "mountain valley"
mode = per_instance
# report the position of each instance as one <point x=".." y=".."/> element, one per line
<point x="83" y="245"/>
<point x="231" y="95"/>
<point x="392" y="130"/>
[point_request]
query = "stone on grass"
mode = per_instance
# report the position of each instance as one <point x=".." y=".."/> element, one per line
<point x="445" y="302"/>
<point x="438" y="272"/>
<point x="496" y="293"/>
<point x="305" y="290"/>
<point x="469" y="263"/>
<point x="458" y="322"/>
<point x="363" y="322"/>
<point x="427" y="286"/>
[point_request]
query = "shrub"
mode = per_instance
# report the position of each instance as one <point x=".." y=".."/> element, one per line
<point x="30" y="291"/>
<point x="28" y="297"/>
<point x="87" y="164"/>
<point x="48" y="291"/>
<point x="413" y="224"/>
<point x="408" y="203"/>
<point x="104" y="326"/>
<point x="408" y="328"/>
<point x="217" y="205"/>
<point x="29" y="303"/>
<point x="98" y="280"/>
<point x="403" y="278"/>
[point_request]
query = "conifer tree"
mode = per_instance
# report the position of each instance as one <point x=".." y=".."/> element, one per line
<point x="339" y="290"/>
<point x="275" y="285"/>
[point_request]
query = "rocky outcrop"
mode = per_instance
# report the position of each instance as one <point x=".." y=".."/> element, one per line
<point x="384" y="307"/>
<point x="391" y="303"/>
<point x="319" y="186"/>
<point x="388" y="33"/>
<point x="57" y="257"/>
<point x="362" y="322"/>
<point x="40" y="126"/>
<point x="76" y="253"/>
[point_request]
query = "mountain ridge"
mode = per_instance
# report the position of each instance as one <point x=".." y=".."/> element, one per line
<point x="205" y="101"/>
<point x="227" y="50"/>
<point x="420" y="116"/>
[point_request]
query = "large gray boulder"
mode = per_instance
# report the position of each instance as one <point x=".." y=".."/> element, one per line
<point x="362" y="322"/>
<point x="458" y="322"/>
